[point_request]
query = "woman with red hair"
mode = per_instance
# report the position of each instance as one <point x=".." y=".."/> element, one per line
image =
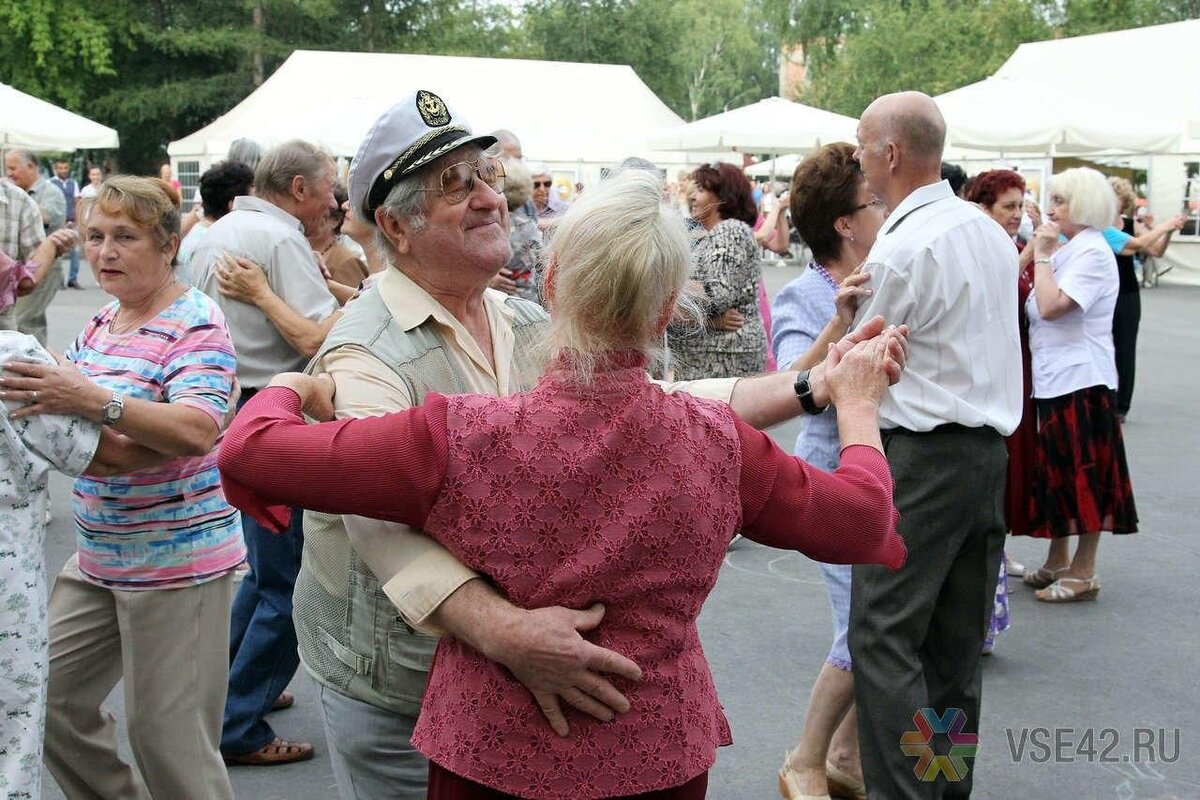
<point x="726" y="272"/>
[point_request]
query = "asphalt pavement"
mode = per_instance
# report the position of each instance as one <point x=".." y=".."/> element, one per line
<point x="1093" y="700"/>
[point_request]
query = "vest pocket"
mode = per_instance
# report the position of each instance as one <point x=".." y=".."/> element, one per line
<point x="409" y="654"/>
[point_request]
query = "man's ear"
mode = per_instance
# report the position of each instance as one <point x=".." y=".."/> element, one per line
<point x="395" y="232"/>
<point x="299" y="187"/>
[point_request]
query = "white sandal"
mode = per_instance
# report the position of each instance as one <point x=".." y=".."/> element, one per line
<point x="1059" y="592"/>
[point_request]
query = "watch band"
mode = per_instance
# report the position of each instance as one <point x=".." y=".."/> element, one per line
<point x="804" y="392"/>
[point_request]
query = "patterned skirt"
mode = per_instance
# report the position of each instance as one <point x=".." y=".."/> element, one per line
<point x="1081" y="480"/>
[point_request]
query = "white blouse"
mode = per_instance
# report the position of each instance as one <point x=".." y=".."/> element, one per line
<point x="1075" y="351"/>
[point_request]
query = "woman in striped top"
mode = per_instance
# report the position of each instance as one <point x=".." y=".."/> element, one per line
<point x="146" y="598"/>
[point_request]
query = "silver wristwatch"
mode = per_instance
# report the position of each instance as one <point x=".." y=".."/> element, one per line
<point x="112" y="411"/>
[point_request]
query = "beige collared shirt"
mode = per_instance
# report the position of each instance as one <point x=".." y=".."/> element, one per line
<point x="416" y="572"/>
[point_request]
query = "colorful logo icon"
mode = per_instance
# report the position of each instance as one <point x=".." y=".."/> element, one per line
<point x="962" y="745"/>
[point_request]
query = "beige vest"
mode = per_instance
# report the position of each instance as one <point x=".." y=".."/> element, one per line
<point x="351" y="636"/>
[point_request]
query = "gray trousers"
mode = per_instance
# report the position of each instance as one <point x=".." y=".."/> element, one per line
<point x="916" y="635"/>
<point x="370" y="751"/>
<point x="31" y="309"/>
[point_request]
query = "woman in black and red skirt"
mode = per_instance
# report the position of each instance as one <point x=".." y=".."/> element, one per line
<point x="1081" y="484"/>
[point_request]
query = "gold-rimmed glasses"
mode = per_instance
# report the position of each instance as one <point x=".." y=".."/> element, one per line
<point x="457" y="180"/>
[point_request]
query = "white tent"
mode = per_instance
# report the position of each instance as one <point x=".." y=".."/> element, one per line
<point x="30" y="122"/>
<point x="773" y="125"/>
<point x="564" y="113"/>
<point x="1022" y="115"/>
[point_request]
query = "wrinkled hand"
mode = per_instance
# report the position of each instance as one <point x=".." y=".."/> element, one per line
<point x="241" y="279"/>
<point x="316" y="392"/>
<point x="547" y="654"/>
<point x="51" y="389"/>
<point x="64" y="241"/>
<point x="1045" y="239"/>
<point x="503" y="281"/>
<point x="1035" y="213"/>
<point x="859" y="375"/>
<point x="728" y="321"/>
<point x="851" y="291"/>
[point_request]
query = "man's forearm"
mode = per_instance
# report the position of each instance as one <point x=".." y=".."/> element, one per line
<point x="476" y="613"/>
<point x="767" y="400"/>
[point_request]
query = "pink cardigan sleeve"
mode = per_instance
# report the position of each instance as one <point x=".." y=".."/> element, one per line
<point x="389" y="467"/>
<point x="843" y="517"/>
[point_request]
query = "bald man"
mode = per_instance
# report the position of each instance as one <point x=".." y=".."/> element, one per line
<point x="944" y="268"/>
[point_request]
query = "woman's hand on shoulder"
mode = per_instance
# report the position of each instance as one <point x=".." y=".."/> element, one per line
<point x="241" y="279"/>
<point x="849" y="293"/>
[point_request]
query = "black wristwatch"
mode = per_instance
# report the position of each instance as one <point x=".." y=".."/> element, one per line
<point x="804" y="392"/>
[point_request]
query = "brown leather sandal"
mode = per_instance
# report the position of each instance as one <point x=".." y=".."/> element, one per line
<point x="274" y="752"/>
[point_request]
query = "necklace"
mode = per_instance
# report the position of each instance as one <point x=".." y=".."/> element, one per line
<point x="329" y="246"/>
<point x="119" y="329"/>
<point x="824" y="273"/>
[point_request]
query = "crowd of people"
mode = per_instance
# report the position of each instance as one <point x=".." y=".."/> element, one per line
<point x="537" y="431"/>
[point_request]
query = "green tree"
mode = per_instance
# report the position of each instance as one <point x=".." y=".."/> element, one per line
<point x="930" y="45"/>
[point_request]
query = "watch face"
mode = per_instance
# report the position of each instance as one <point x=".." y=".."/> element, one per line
<point x="112" y="411"/>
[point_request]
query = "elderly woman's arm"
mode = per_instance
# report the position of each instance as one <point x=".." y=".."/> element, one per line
<point x="172" y="429"/>
<point x="244" y="280"/>
<point x="1052" y="301"/>
<point x="844" y="517"/>
<point x="117" y="454"/>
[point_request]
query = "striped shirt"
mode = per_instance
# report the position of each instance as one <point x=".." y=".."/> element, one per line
<point x="168" y="526"/>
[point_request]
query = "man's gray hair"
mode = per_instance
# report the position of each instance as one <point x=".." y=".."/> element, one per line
<point x="505" y="136"/>
<point x="405" y="202"/>
<point x="247" y="151"/>
<point x="273" y="176"/>
<point x="25" y="154"/>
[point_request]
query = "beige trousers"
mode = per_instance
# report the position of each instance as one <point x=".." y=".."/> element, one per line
<point x="171" y="648"/>
<point x="31" y="309"/>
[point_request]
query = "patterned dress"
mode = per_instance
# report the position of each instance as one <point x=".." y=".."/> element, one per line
<point x="32" y="447"/>
<point x="726" y="263"/>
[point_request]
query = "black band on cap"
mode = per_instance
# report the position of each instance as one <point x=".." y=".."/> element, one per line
<point x="405" y="163"/>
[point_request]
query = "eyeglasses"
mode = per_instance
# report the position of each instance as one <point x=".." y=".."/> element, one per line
<point x="542" y="184"/>
<point x="457" y="180"/>
<point x="875" y="202"/>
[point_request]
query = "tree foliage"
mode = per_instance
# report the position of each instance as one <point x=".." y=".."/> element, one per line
<point x="159" y="69"/>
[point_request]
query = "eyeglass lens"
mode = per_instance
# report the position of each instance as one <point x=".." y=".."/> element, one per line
<point x="459" y="179"/>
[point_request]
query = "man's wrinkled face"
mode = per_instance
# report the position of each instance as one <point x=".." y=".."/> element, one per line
<point x="20" y="171"/>
<point x="871" y="155"/>
<point x="471" y="234"/>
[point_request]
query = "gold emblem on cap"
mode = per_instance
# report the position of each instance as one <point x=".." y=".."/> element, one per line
<point x="432" y="110"/>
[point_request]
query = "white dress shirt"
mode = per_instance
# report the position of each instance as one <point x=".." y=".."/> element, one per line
<point x="1075" y="351"/>
<point x="272" y="238"/>
<point x="948" y="271"/>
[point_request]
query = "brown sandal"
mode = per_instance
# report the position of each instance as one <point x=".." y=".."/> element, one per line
<point x="276" y="751"/>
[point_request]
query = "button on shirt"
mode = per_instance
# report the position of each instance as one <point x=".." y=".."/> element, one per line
<point x="272" y="238"/>
<point x="948" y="271"/>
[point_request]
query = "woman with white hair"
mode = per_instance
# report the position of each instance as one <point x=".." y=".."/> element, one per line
<point x="637" y="493"/>
<point x="1081" y="478"/>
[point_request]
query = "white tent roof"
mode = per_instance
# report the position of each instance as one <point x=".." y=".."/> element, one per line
<point x="773" y="125"/>
<point x="30" y="122"/>
<point x="1108" y="69"/>
<point x="562" y="112"/>
<point x="1014" y="115"/>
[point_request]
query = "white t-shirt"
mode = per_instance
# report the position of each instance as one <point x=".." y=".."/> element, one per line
<point x="1075" y="351"/>
<point x="948" y="271"/>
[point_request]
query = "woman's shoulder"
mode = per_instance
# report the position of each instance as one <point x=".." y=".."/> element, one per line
<point x="194" y="309"/>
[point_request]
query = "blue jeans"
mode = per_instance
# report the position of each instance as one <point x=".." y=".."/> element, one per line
<point x="73" y="273"/>
<point x="262" y="637"/>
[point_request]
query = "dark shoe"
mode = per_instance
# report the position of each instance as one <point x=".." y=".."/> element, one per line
<point x="285" y="700"/>
<point x="73" y="285"/>
<point x="274" y="752"/>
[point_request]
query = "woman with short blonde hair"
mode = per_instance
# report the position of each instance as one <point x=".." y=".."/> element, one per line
<point x="1081" y="479"/>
